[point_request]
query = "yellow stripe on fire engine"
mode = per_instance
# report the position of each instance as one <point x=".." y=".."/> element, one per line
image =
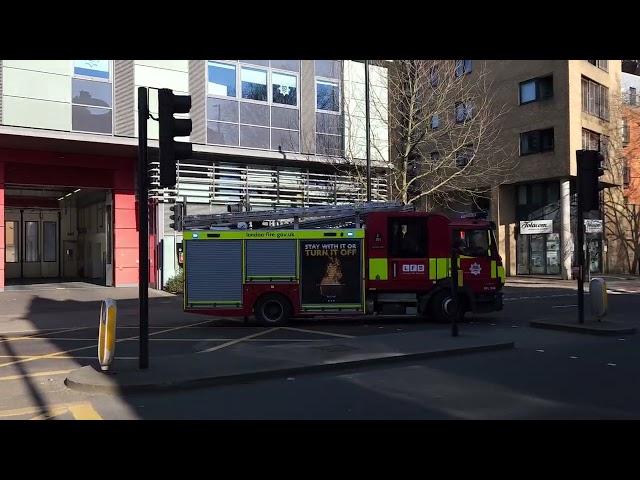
<point x="501" y="273"/>
<point x="493" y="269"/>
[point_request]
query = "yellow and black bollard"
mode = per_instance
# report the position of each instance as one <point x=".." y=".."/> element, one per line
<point x="107" y="333"/>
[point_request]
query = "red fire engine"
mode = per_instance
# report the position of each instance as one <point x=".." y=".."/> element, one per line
<point x="379" y="258"/>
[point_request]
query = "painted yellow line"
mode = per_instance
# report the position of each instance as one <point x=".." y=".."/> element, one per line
<point x="56" y="354"/>
<point x="233" y="342"/>
<point x="36" y="374"/>
<point x="318" y="332"/>
<point x="53" y="409"/>
<point x="84" y="411"/>
<point x="38" y="335"/>
<point x="51" y="413"/>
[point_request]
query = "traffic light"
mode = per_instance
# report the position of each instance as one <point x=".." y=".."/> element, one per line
<point x="178" y="210"/>
<point x="170" y="127"/>
<point x="589" y="171"/>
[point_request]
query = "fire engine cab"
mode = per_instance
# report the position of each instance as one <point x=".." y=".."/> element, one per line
<point x="378" y="258"/>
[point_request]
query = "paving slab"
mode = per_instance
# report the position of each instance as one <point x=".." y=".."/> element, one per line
<point x="244" y="363"/>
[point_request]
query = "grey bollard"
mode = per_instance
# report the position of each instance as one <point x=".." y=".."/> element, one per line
<point x="598" y="297"/>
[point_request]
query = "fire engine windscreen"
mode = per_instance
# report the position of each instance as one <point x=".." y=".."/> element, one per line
<point x="473" y="243"/>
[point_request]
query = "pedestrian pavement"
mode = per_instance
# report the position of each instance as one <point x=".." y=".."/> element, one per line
<point x="245" y="363"/>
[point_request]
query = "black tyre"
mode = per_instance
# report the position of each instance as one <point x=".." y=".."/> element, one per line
<point x="273" y="309"/>
<point x="442" y="307"/>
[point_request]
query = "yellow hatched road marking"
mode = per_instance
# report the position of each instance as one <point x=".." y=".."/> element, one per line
<point x="57" y="354"/>
<point x="84" y="411"/>
<point x="80" y="411"/>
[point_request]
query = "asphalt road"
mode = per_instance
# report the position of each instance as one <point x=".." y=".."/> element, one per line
<point x="549" y="374"/>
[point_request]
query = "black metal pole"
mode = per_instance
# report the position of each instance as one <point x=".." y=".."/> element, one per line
<point x="143" y="230"/>
<point x="580" y="246"/>
<point x="454" y="291"/>
<point x="367" y="127"/>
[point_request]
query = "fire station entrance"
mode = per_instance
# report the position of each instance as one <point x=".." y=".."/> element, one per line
<point x="58" y="235"/>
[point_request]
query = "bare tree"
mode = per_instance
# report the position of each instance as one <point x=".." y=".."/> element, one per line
<point x="621" y="216"/>
<point x="444" y="124"/>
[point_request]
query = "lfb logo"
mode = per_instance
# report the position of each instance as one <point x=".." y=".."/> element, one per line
<point x="412" y="268"/>
<point x="475" y="269"/>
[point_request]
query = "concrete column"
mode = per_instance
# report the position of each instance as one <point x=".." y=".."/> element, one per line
<point x="566" y="238"/>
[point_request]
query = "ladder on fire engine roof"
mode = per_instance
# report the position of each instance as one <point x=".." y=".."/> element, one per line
<point x="320" y="216"/>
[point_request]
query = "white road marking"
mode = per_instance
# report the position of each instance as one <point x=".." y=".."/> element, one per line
<point x="541" y="351"/>
<point x="564" y="306"/>
<point x="573" y="357"/>
<point x="611" y="364"/>
<point x="319" y="332"/>
<point x="233" y="342"/>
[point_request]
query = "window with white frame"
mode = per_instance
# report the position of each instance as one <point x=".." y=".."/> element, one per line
<point x="327" y="96"/>
<point x="595" y="98"/>
<point x="254" y="84"/>
<point x="254" y="104"/>
<point x="222" y="79"/>
<point x="601" y="64"/>
<point x="92" y="96"/>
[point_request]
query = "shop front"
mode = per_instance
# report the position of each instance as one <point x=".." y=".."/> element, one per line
<point x="538" y="247"/>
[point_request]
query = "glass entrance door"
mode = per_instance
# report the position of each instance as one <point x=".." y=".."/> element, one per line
<point x="32" y="238"/>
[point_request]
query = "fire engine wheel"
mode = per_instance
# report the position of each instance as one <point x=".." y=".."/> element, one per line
<point x="442" y="307"/>
<point x="273" y="309"/>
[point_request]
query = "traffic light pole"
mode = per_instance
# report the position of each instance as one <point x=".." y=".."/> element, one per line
<point x="580" y="243"/>
<point x="454" y="291"/>
<point x="143" y="230"/>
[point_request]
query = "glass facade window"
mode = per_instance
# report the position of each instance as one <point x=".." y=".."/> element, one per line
<point x="463" y="67"/>
<point x="327" y="96"/>
<point x="435" y="121"/>
<point x="463" y="111"/>
<point x="536" y="141"/>
<point x="50" y="241"/>
<point x="435" y="157"/>
<point x="11" y="241"/>
<point x="92" y="97"/>
<point x="285" y="89"/>
<point x="265" y="115"/>
<point x="31" y="234"/>
<point x="464" y="156"/>
<point x="536" y="89"/>
<point x="601" y="64"/>
<point x="595" y="99"/>
<point x="96" y="69"/>
<point x="222" y="79"/>
<point x="254" y="84"/>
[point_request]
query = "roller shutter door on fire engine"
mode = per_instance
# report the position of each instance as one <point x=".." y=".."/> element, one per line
<point x="214" y="271"/>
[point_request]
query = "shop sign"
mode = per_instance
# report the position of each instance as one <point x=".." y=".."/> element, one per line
<point x="532" y="227"/>
<point x="592" y="226"/>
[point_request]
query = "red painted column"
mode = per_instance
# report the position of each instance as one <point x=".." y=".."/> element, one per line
<point x="125" y="228"/>
<point x="2" y="233"/>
